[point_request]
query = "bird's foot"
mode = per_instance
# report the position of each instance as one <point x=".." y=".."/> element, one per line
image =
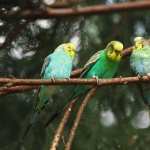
<point x="140" y="77"/>
<point x="12" y="77"/>
<point x="53" y="79"/>
<point x="97" y="80"/>
<point x="148" y="74"/>
<point x="68" y="78"/>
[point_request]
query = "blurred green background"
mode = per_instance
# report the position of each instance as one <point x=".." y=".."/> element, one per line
<point x="116" y="118"/>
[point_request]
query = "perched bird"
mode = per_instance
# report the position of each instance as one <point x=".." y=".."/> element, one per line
<point x="57" y="65"/>
<point x="140" y="64"/>
<point x="103" y="64"/>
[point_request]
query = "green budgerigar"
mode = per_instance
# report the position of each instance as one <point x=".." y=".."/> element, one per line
<point x="140" y="64"/>
<point x="57" y="65"/>
<point x="103" y="64"/>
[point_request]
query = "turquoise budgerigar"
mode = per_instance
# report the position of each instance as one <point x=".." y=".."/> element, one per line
<point x="140" y="64"/>
<point x="103" y="64"/>
<point x="57" y="65"/>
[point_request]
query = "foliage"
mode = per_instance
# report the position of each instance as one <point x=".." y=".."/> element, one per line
<point x="116" y="118"/>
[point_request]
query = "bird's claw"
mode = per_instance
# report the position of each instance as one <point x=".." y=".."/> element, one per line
<point x="139" y="76"/>
<point x="97" y="80"/>
<point x="148" y="74"/>
<point x="53" y="79"/>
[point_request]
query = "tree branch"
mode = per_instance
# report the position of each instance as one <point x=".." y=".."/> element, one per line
<point x="28" y="84"/>
<point x="16" y="89"/>
<point x="77" y="72"/>
<point x="61" y="126"/>
<point x="89" y="10"/>
<point x="73" y="81"/>
<point x="78" y="117"/>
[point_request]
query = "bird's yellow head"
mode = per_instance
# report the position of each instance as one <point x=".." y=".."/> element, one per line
<point x="138" y="43"/>
<point x="114" y="50"/>
<point x="70" y="49"/>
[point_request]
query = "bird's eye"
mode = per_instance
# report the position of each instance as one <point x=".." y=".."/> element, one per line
<point x="117" y="52"/>
<point x="69" y="48"/>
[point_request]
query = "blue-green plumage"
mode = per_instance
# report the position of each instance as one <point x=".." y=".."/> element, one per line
<point x="140" y="64"/>
<point x="140" y="60"/>
<point x="57" y="65"/>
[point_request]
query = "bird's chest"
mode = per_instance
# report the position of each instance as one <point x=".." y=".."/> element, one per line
<point x="59" y="68"/>
<point x="140" y="63"/>
<point x="103" y="69"/>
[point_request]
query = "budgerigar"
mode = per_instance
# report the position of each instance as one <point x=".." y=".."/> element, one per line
<point x="103" y="64"/>
<point x="140" y="64"/>
<point x="57" y="65"/>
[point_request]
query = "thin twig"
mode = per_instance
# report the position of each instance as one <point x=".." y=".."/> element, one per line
<point x="89" y="10"/>
<point x="126" y="52"/>
<point x="61" y="126"/>
<point x="78" y="117"/>
<point x="16" y="89"/>
<point x="77" y="72"/>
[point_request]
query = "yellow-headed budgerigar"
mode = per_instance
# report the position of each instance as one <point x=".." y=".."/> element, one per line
<point x="57" y="65"/>
<point x="140" y="64"/>
<point x="103" y="64"/>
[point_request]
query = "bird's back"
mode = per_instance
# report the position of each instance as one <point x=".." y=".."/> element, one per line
<point x="60" y="66"/>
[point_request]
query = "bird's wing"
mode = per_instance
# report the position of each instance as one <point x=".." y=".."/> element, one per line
<point x="47" y="60"/>
<point x="92" y="59"/>
<point x="90" y="62"/>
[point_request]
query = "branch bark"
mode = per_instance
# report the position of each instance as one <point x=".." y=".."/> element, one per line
<point x="16" y="89"/>
<point x="78" y="118"/>
<point x="61" y="126"/>
<point x="73" y="81"/>
<point x="89" y="10"/>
